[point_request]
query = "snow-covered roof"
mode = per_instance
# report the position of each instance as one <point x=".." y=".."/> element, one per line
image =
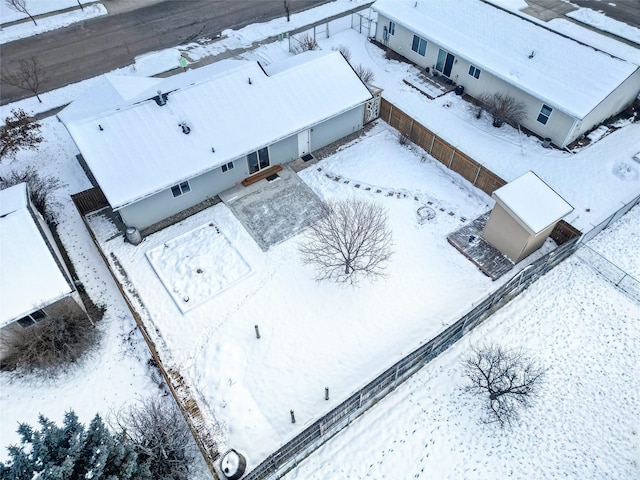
<point x="563" y="73"/>
<point x="136" y="148"/>
<point x="29" y="276"/>
<point x="534" y="202"/>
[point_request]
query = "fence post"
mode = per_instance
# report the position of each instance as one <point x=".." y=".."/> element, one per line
<point x="451" y="159"/>
<point x="477" y="175"/>
<point x="433" y="139"/>
<point x="390" y="112"/>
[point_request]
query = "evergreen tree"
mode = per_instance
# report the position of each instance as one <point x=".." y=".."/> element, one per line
<point x="72" y="453"/>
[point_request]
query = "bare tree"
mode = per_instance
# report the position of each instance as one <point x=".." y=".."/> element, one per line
<point x="160" y="436"/>
<point x="20" y="6"/>
<point x="506" y="381"/>
<point x="365" y="73"/>
<point x="26" y="74"/>
<point x="20" y="130"/>
<point x="344" y="50"/>
<point x="503" y="108"/>
<point x="52" y="345"/>
<point x="41" y="190"/>
<point x="307" y="42"/>
<point x="351" y="240"/>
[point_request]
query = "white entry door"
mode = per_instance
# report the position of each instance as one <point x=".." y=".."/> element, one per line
<point x="303" y="143"/>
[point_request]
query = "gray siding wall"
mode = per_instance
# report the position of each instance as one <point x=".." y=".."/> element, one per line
<point x="620" y="99"/>
<point x="284" y="151"/>
<point x="336" y="128"/>
<point x="163" y="204"/>
<point x="560" y="127"/>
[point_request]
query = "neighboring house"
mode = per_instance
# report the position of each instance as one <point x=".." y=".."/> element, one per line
<point x="566" y="87"/>
<point x="157" y="146"/>
<point x="34" y="281"/>
<point x="525" y="213"/>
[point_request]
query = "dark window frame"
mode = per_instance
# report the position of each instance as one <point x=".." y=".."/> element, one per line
<point x="392" y="27"/>
<point x="545" y="114"/>
<point x="227" y="166"/>
<point x="474" y="71"/>
<point x="32" y="318"/>
<point x="180" y="189"/>
<point x="419" y="45"/>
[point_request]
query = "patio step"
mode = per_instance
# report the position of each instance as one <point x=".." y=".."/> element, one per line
<point x="262" y="174"/>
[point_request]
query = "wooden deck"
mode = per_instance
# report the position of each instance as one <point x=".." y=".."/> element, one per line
<point x="485" y="256"/>
<point x="262" y="174"/>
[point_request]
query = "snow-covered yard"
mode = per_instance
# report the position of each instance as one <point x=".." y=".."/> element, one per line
<point x="312" y="335"/>
<point x="585" y="424"/>
<point x="320" y="335"/>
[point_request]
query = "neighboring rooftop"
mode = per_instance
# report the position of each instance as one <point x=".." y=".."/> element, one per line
<point x="533" y="202"/>
<point x="30" y="278"/>
<point x="136" y="148"/>
<point x="566" y="74"/>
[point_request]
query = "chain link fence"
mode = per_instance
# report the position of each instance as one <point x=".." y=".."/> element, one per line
<point x="621" y="279"/>
<point x="288" y="456"/>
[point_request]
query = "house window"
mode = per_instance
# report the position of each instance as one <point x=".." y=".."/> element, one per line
<point x="419" y="45"/>
<point x="545" y="113"/>
<point x="474" y="71"/>
<point x="227" y="166"/>
<point x="392" y="28"/>
<point x="180" y="189"/>
<point x="35" y="317"/>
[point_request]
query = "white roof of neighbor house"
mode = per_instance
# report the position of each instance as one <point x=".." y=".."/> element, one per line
<point x="563" y="73"/>
<point x="231" y="106"/>
<point x="534" y="202"/>
<point x="29" y="276"/>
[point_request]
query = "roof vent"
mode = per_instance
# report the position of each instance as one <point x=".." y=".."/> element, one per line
<point x="532" y="54"/>
<point x="249" y="80"/>
<point x="185" y="128"/>
<point x="161" y="99"/>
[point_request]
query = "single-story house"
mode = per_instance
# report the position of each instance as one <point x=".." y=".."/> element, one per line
<point x="525" y="213"/>
<point x="157" y="146"/>
<point x="566" y="87"/>
<point x="34" y="280"/>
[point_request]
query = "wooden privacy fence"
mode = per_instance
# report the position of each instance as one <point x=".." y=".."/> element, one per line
<point x="89" y="201"/>
<point x="455" y="160"/>
<point x="445" y="153"/>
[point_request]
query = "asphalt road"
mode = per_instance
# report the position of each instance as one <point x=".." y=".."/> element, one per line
<point x="96" y="46"/>
<point x="627" y="11"/>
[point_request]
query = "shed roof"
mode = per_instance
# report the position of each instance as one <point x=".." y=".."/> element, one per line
<point x="562" y="72"/>
<point x="29" y="275"/>
<point x="233" y="107"/>
<point x="533" y="202"/>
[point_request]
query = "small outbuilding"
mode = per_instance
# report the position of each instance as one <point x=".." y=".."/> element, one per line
<point x="525" y="213"/>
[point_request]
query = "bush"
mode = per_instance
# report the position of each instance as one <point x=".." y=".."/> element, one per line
<point x="503" y="108"/>
<point x="160" y="436"/>
<point x="306" y="42"/>
<point x="51" y="346"/>
<point x="41" y="190"/>
<point x="344" y="50"/>
<point x="365" y="73"/>
<point x="71" y="452"/>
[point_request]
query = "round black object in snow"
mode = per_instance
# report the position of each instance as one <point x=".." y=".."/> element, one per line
<point x="459" y="90"/>
<point x="233" y="465"/>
